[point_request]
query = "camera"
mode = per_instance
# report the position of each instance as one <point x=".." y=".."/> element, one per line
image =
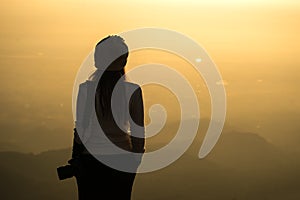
<point x="70" y="170"/>
<point x="64" y="172"/>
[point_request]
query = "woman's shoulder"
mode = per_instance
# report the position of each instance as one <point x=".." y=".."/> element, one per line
<point x="132" y="86"/>
<point x="87" y="83"/>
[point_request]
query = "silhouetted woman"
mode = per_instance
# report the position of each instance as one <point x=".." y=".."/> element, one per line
<point x="96" y="180"/>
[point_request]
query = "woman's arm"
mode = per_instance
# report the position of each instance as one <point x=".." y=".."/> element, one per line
<point x="80" y="110"/>
<point x="137" y="129"/>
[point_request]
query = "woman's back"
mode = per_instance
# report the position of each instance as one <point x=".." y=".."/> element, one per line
<point x="107" y="117"/>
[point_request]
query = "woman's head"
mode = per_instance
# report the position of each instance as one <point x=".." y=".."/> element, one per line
<point x="111" y="53"/>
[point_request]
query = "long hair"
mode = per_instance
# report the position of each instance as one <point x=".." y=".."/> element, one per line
<point x="105" y="89"/>
<point x="109" y="76"/>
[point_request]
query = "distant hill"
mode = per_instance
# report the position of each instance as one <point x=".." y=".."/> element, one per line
<point x="242" y="166"/>
<point x="29" y="176"/>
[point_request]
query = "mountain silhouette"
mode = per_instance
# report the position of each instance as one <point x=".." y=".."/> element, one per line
<point x="241" y="166"/>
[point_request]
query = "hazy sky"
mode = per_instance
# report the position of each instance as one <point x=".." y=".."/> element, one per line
<point x="42" y="43"/>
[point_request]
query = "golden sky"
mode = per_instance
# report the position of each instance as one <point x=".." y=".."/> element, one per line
<point x="255" y="44"/>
